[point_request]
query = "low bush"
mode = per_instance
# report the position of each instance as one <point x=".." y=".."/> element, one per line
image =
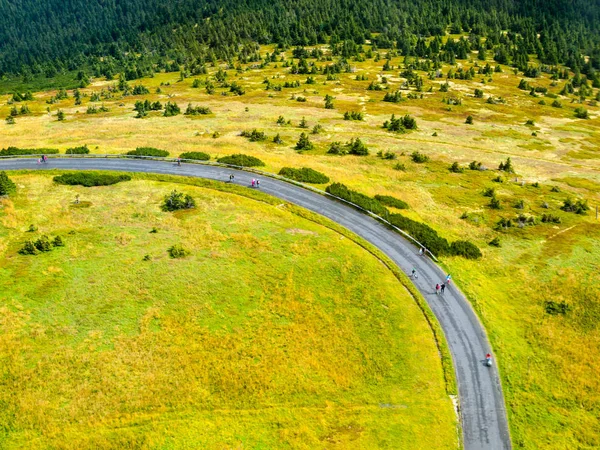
<point x="393" y="202"/>
<point x="495" y="242"/>
<point x="455" y="168"/>
<point x="89" y="179"/>
<point x="177" y="251"/>
<point x="465" y="249"/>
<point x="42" y="244"/>
<point x="83" y="150"/>
<point x="550" y="218"/>
<point x="555" y="308"/>
<point x="14" y="151"/>
<point x="364" y="201"/>
<point x="148" y="151"/>
<point x="423" y="233"/>
<point x="7" y="186"/>
<point x="489" y="192"/>
<point x="419" y="157"/>
<point x="176" y="201"/>
<point x="576" y="206"/>
<point x="254" y="135"/>
<point x="494" y="203"/>
<point x="305" y="175"/>
<point x="241" y="160"/>
<point x="198" y="156"/>
<point x="400" y="166"/>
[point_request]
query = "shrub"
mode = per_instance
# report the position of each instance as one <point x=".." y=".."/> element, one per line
<point x="277" y="139"/>
<point x="495" y="242"/>
<point x="177" y="251"/>
<point x="89" y="179"/>
<point x="254" y="135"/>
<point x="83" y="150"/>
<point x="489" y="192"/>
<point x="241" y="160"/>
<point x="469" y="120"/>
<point x="195" y="111"/>
<point x="336" y="148"/>
<point x="305" y="175"/>
<point x="43" y="244"/>
<point x="423" y="233"/>
<point x="365" y="202"/>
<point x="556" y="104"/>
<point x="498" y="179"/>
<point x="419" y="157"/>
<point x="401" y="124"/>
<point x="14" y="151"/>
<point x="58" y="242"/>
<point x="386" y="155"/>
<point x="28" y="249"/>
<point x="317" y="129"/>
<point x="304" y="143"/>
<point x="357" y="147"/>
<point x="148" y="151"/>
<point x="495" y="203"/>
<point x="353" y="115"/>
<point x="176" y="201"/>
<point x="550" y="218"/>
<point x="478" y="93"/>
<point x="197" y="156"/>
<point x="555" y="308"/>
<point x="520" y="204"/>
<point x="393" y="202"/>
<point x="555" y="189"/>
<point x="465" y="249"/>
<point x="475" y="165"/>
<point x="578" y="206"/>
<point x="581" y="113"/>
<point x="7" y="186"/>
<point x="171" y="109"/>
<point x="455" y="168"/>
<point x="400" y="166"/>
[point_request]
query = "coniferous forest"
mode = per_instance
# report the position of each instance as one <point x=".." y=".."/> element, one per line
<point x="141" y="36"/>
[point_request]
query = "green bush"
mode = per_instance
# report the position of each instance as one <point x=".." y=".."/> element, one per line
<point x="83" y="150"/>
<point x="495" y="242"/>
<point x="177" y="251"/>
<point x="7" y="186"/>
<point x="43" y="244"/>
<point x="89" y="179"/>
<point x="198" y="156"/>
<point x="419" y="157"/>
<point x="465" y="249"/>
<point x="423" y="233"/>
<point x="304" y="143"/>
<point x="455" y="168"/>
<point x="577" y="206"/>
<point x="254" y="135"/>
<point x="393" y="202"/>
<point x="148" y="151"/>
<point x="28" y="249"/>
<point x="14" y="151"/>
<point x="241" y="160"/>
<point x="58" y="242"/>
<point x="555" y="308"/>
<point x="305" y="175"/>
<point x="176" y="201"/>
<point x="365" y="202"/>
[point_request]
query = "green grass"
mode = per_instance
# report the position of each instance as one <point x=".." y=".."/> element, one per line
<point x="505" y="287"/>
<point x="275" y="332"/>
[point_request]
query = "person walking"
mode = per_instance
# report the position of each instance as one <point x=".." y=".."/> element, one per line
<point x="437" y="289"/>
<point x="442" y="287"/>
<point x="231" y="177"/>
<point x="257" y="183"/>
<point x="448" y="278"/>
<point x="421" y="252"/>
<point x="414" y="274"/>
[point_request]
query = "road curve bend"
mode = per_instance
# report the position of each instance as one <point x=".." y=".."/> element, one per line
<point x="482" y="409"/>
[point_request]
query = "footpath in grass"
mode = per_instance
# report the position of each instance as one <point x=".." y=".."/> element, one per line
<point x="274" y="332"/>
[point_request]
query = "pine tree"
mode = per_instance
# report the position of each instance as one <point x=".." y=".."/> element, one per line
<point x="304" y="143"/>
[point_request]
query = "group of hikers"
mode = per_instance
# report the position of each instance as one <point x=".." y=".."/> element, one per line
<point x="439" y="287"/>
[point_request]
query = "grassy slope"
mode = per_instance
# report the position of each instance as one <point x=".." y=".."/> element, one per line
<point x="275" y="332"/>
<point x="549" y="373"/>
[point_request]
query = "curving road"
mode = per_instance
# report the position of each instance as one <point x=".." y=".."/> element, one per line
<point x="482" y="409"/>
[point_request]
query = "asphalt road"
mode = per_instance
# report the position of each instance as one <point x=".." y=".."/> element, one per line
<point x="482" y="409"/>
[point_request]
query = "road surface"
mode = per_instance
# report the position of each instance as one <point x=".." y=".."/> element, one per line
<point x="482" y="408"/>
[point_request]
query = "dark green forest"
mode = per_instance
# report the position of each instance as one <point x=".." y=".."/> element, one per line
<point x="105" y="37"/>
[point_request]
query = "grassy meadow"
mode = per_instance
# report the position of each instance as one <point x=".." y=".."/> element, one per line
<point x="551" y="381"/>
<point x="274" y="332"/>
